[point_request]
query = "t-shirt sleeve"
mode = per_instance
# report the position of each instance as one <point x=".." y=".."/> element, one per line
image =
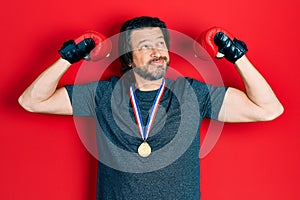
<point x="210" y="98"/>
<point x="83" y="98"/>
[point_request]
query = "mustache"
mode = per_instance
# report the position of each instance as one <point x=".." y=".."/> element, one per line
<point x="158" y="58"/>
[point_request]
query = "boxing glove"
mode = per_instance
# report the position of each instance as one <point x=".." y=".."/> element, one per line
<point x="89" y="46"/>
<point x="102" y="47"/>
<point x="217" y="40"/>
<point x="73" y="52"/>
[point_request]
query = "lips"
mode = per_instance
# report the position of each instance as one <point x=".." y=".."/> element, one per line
<point x="158" y="61"/>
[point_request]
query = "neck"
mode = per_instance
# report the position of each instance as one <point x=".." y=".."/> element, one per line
<point x="147" y="85"/>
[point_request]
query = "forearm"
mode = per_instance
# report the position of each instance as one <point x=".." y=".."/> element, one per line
<point x="257" y="88"/>
<point x="258" y="102"/>
<point x="45" y="84"/>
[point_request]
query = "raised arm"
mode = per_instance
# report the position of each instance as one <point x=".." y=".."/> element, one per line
<point x="42" y="95"/>
<point x="258" y="102"/>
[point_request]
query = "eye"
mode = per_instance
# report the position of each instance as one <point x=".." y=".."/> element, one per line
<point x="161" y="44"/>
<point x="144" y="47"/>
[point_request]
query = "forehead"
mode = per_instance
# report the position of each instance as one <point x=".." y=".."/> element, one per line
<point x="145" y="34"/>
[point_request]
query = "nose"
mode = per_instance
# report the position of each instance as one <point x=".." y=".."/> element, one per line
<point x="155" y="52"/>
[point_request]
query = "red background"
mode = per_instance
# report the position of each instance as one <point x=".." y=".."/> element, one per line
<point x="42" y="157"/>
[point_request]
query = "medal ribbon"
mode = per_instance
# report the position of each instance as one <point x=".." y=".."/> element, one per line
<point x="145" y="130"/>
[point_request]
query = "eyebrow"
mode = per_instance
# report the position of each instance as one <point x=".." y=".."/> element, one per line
<point x="140" y="42"/>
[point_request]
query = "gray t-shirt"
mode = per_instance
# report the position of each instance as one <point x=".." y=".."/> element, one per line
<point x="172" y="171"/>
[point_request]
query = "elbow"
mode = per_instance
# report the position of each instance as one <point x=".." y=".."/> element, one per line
<point x="273" y="112"/>
<point x="25" y="104"/>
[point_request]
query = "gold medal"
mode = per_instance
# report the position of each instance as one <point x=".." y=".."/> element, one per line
<point x="144" y="149"/>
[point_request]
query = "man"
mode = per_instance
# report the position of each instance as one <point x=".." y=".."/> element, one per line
<point x="156" y="157"/>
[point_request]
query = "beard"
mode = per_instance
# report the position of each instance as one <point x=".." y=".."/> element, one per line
<point x="150" y="72"/>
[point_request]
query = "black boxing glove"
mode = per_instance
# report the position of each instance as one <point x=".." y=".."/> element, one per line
<point x="232" y="49"/>
<point x="73" y="52"/>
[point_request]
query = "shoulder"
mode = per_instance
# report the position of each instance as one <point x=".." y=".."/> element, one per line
<point x="186" y="82"/>
<point x="97" y="86"/>
<point x="105" y="85"/>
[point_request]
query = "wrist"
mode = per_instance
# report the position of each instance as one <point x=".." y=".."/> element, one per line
<point x="241" y="60"/>
<point x="64" y="63"/>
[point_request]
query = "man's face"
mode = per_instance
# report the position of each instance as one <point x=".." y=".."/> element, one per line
<point x="150" y="53"/>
